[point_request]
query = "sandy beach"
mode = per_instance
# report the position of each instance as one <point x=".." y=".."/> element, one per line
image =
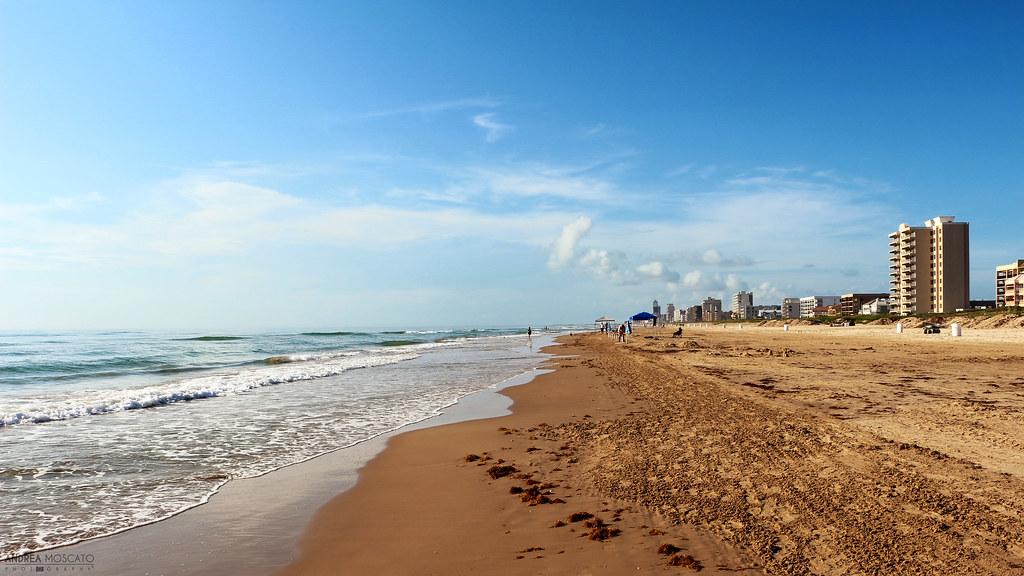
<point x="727" y="451"/>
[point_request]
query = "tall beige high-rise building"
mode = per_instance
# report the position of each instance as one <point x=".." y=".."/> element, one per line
<point x="929" y="267"/>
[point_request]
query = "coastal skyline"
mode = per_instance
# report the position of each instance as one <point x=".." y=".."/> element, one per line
<point x="242" y="167"/>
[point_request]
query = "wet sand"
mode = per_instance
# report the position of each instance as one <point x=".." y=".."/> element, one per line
<point x="746" y="451"/>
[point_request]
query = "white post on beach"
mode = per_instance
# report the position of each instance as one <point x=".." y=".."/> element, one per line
<point x="785" y="327"/>
<point x="899" y="327"/>
<point x="955" y="329"/>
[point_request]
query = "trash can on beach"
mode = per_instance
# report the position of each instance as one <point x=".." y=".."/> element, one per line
<point x="899" y="327"/>
<point x="955" y="329"/>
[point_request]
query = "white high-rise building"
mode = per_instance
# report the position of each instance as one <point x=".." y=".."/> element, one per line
<point x="809" y="303"/>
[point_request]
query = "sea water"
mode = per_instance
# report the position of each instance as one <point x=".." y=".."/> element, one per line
<point x="100" y="432"/>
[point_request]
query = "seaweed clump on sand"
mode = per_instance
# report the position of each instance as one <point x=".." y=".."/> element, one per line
<point x="534" y="496"/>
<point x="501" y="471"/>
<point x="668" y="549"/>
<point x="599" y="530"/>
<point x="686" y="561"/>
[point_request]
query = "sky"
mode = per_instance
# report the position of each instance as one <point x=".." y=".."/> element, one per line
<point x="270" y="165"/>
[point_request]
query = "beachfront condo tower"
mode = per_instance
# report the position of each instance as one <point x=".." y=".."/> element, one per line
<point x="929" y="267"/>
<point x="711" y="309"/>
<point x="790" y="308"/>
<point x="1008" y="277"/>
<point x="743" y="305"/>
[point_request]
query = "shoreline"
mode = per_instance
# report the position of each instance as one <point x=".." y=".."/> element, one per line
<point x="436" y="501"/>
<point x="248" y="525"/>
<point x="749" y="451"/>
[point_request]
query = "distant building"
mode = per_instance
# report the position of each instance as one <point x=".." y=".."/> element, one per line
<point x="711" y="310"/>
<point x="982" y="304"/>
<point x="850" y="303"/>
<point x="929" y="267"/>
<point x="743" y="305"/>
<point x="821" y="311"/>
<point x="1014" y="291"/>
<point x="809" y="303"/>
<point x="656" y="310"/>
<point x="693" y="314"/>
<point x="772" y="312"/>
<point x="670" y="313"/>
<point x="790" y="308"/>
<point x="875" y="307"/>
<point x="1004" y="273"/>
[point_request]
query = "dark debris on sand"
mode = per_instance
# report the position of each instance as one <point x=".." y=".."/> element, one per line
<point x="501" y="471"/>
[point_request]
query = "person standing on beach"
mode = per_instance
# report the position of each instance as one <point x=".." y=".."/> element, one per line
<point x="622" y="332"/>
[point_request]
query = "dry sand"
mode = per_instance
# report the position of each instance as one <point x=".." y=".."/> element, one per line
<point x="814" y="451"/>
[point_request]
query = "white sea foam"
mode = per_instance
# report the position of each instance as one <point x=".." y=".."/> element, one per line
<point x="298" y="368"/>
<point x="86" y="477"/>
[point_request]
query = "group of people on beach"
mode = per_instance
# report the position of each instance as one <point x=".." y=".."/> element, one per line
<point x="623" y="329"/>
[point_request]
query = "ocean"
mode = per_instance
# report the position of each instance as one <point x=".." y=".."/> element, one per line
<point x="104" y="431"/>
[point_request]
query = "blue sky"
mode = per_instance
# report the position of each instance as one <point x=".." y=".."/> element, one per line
<point x="258" y="165"/>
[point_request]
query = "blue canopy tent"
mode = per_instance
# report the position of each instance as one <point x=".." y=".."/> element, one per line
<point x="646" y="318"/>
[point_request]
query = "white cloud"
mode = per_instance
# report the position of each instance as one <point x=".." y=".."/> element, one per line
<point x="711" y="257"/>
<point x="734" y="283"/>
<point x="612" y="267"/>
<point x="679" y="171"/>
<point x="437" y="107"/>
<point x="565" y="246"/>
<point x="14" y="212"/>
<point x="493" y="129"/>
<point x="539" y="181"/>
<point x="767" y="293"/>
<point x="194" y="217"/>
<point x="658" y="271"/>
<point x="698" y="281"/>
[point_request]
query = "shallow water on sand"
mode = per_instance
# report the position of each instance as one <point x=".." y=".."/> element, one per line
<point x="91" y="455"/>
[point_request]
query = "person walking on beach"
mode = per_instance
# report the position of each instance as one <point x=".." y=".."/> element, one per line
<point x="622" y="332"/>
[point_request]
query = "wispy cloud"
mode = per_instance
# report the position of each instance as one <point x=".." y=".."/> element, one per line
<point x="539" y="181"/>
<point x="679" y="171"/>
<point x="711" y="257"/>
<point x="427" y="108"/>
<point x="594" y="130"/>
<point x="16" y="211"/>
<point x="493" y="129"/>
<point x="194" y="216"/>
